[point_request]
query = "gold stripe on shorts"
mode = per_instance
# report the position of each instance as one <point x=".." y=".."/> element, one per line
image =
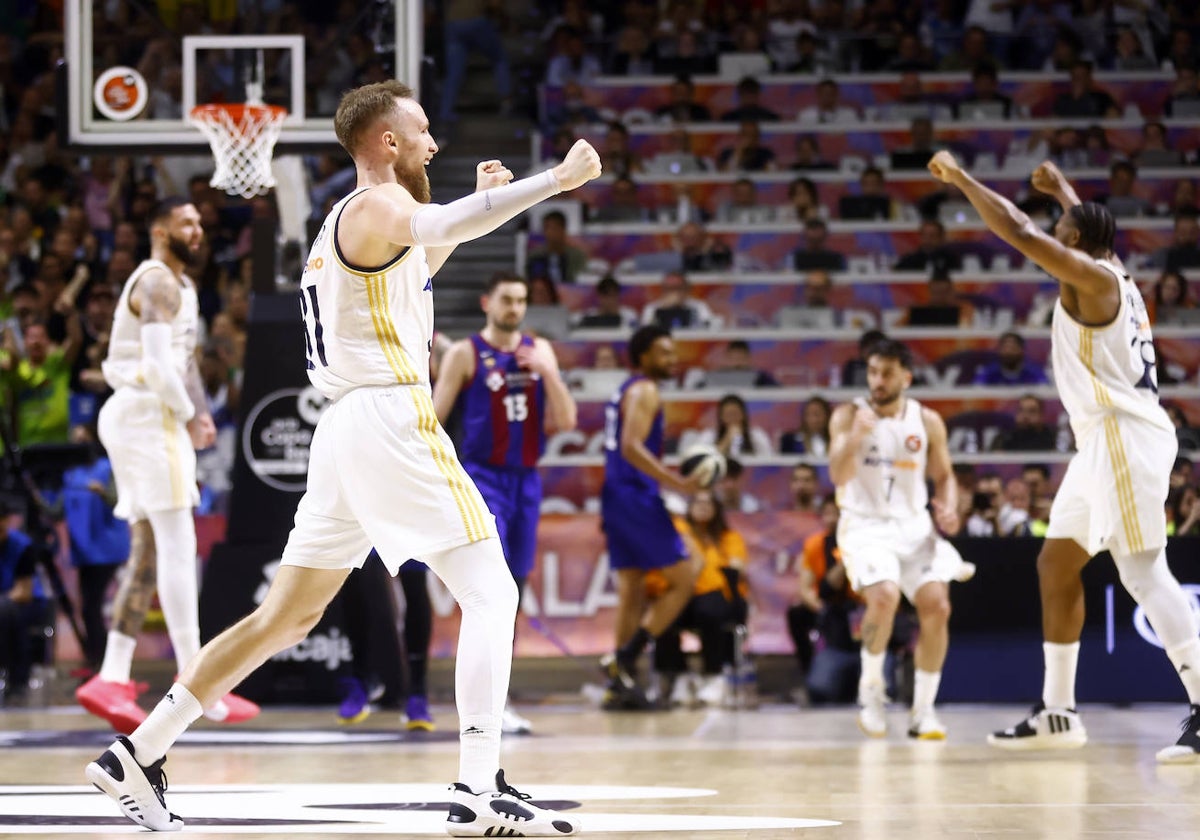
<point x="179" y="497"/>
<point x="1124" y="482"/>
<point x="385" y="330"/>
<point x="474" y="520"/>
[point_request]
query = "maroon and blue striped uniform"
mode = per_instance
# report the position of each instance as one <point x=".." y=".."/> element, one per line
<point x="636" y="524"/>
<point x="502" y="411"/>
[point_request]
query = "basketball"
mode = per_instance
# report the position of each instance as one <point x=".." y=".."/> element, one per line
<point x="705" y="461"/>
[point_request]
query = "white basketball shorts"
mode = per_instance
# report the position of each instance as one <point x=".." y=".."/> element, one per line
<point x="153" y="461"/>
<point x="1115" y="488"/>
<point x="383" y="473"/>
<point x="909" y="553"/>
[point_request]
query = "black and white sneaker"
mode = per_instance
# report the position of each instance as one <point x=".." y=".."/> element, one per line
<point x="504" y="812"/>
<point x="1044" y="729"/>
<point x="136" y="789"/>
<point x="1187" y="749"/>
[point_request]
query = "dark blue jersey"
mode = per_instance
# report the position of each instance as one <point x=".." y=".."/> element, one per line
<point x="619" y="474"/>
<point x="503" y="410"/>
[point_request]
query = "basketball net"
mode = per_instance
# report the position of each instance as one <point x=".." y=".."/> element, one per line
<point x="242" y="137"/>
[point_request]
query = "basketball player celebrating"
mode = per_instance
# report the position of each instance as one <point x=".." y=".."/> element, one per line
<point x="881" y="450"/>
<point x="640" y="533"/>
<point x="381" y="469"/>
<point x="149" y="426"/>
<point x="1113" y="493"/>
<point x="507" y="385"/>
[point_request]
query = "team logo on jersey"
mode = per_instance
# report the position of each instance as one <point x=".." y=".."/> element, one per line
<point x="912" y="443"/>
<point x="489" y="361"/>
<point x="495" y="380"/>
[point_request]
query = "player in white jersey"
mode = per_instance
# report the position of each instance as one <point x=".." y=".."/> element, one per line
<point x="881" y="451"/>
<point x="149" y="426"/>
<point x="381" y="471"/>
<point x="1115" y="487"/>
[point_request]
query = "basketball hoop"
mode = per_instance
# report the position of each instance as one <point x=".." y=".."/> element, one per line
<point x="242" y="137"/>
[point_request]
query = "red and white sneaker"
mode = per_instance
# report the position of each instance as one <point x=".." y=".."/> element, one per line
<point x="233" y="709"/>
<point x="112" y="701"/>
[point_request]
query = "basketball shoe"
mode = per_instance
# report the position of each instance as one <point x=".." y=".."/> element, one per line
<point x="1044" y="729"/>
<point x="113" y="701"/>
<point x="416" y="714"/>
<point x="504" y="812"/>
<point x="872" y="712"/>
<point x="622" y="692"/>
<point x="137" y="789"/>
<point x="1187" y="749"/>
<point x="927" y="727"/>
<point x="512" y="723"/>
<point x="355" y="706"/>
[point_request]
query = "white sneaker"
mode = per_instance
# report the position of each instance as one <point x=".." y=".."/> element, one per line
<point x="964" y="572"/>
<point x="683" y="693"/>
<point x="872" y="711"/>
<point x="504" y="812"/>
<point x="512" y="723"/>
<point x="927" y="727"/>
<point x="712" y="691"/>
<point x="1044" y="729"/>
<point x="136" y="789"/>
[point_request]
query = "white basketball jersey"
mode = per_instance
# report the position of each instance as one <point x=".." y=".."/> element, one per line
<point x="1107" y="371"/>
<point x="365" y="326"/>
<point x="889" y="482"/>
<point x="123" y="366"/>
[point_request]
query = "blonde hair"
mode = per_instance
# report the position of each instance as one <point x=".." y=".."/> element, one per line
<point x="364" y="105"/>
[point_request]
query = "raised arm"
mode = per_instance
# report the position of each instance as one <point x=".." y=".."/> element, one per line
<point x="1049" y="179"/>
<point x="456" y="370"/>
<point x="1003" y="218"/>
<point x="156" y="300"/>
<point x="847" y="428"/>
<point x="488" y="175"/>
<point x="560" y="405"/>
<point x="941" y="472"/>
<point x="389" y="213"/>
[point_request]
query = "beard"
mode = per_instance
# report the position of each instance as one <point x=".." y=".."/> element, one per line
<point x="882" y="398"/>
<point x="181" y="251"/>
<point x="416" y="181"/>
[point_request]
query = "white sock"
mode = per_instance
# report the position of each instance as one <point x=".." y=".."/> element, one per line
<point x="1186" y="659"/>
<point x="1058" y="690"/>
<point x="479" y="751"/>
<point x="925" y="689"/>
<point x="178" y="710"/>
<point x="118" y="657"/>
<point x="872" y="668"/>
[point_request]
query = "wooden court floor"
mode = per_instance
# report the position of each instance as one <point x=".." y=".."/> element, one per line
<point x="773" y="772"/>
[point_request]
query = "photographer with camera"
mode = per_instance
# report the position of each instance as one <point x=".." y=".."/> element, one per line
<point x="997" y="513"/>
<point x="22" y="606"/>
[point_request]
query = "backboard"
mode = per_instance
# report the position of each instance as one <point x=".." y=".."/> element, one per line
<point x="134" y="68"/>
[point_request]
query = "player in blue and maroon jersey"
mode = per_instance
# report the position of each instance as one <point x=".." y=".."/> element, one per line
<point x="506" y="389"/>
<point x="640" y="533"/>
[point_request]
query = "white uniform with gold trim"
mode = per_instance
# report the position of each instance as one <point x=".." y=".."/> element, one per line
<point x="154" y="464"/>
<point x="381" y="470"/>
<point x="1115" y="487"/>
<point x="885" y="532"/>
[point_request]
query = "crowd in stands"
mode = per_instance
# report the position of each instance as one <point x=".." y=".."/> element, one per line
<point x="690" y="167"/>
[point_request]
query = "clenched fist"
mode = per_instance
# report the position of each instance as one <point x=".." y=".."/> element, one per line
<point x="944" y="167"/>
<point x="491" y="173"/>
<point x="582" y="164"/>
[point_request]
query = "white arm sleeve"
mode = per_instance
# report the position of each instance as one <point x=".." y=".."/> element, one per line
<point x="472" y="216"/>
<point x="159" y="371"/>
